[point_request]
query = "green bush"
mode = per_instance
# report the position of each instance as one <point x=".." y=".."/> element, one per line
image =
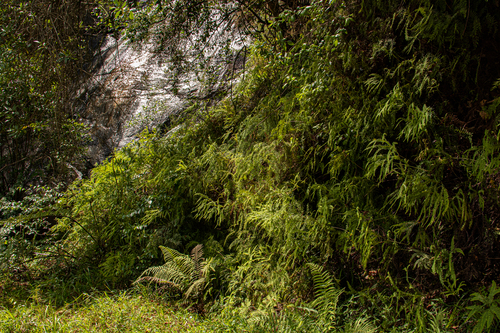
<point x="487" y="312"/>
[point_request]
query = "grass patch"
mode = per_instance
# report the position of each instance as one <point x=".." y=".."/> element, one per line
<point x="122" y="312"/>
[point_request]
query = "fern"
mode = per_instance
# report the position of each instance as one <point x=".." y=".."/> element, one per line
<point x="385" y="161"/>
<point x="327" y="296"/>
<point x="418" y="122"/>
<point x="360" y="325"/>
<point x="488" y="311"/>
<point x="182" y="272"/>
<point x="437" y="321"/>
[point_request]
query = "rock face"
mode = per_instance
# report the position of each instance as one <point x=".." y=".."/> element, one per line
<point x="113" y="100"/>
<point x="127" y="89"/>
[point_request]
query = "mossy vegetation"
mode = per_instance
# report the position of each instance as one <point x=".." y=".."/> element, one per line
<point x="351" y="178"/>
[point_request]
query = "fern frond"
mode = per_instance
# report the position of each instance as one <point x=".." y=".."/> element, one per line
<point x="361" y="325"/>
<point x="181" y="271"/>
<point x="327" y="295"/>
<point x="437" y="321"/>
<point x="166" y="273"/>
<point x="195" y="288"/>
<point x="418" y="121"/>
<point x="197" y="257"/>
<point x="385" y="161"/>
<point x="156" y="280"/>
<point x="169" y="254"/>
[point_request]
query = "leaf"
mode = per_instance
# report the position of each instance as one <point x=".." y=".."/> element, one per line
<point x="183" y="272"/>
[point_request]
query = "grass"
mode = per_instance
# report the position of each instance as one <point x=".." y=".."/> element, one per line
<point x="122" y="312"/>
<point x="38" y="301"/>
<point x="132" y="311"/>
<point x="141" y="310"/>
<point x="34" y="307"/>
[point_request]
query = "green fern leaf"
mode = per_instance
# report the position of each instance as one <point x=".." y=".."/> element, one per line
<point x="327" y="295"/>
<point x="361" y="325"/>
<point x="183" y="272"/>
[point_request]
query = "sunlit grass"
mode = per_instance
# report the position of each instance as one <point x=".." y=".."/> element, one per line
<point x="104" y="313"/>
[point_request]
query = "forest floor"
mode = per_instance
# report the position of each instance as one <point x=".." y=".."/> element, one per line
<point x="106" y="312"/>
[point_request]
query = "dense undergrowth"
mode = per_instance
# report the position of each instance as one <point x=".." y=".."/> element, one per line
<point x="358" y="155"/>
<point x="43" y="46"/>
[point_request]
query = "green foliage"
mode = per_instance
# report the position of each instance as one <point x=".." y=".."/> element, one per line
<point x="326" y="296"/>
<point x="182" y="272"/>
<point x="360" y="325"/>
<point x="441" y="263"/>
<point x="487" y="312"/>
<point x="41" y="54"/>
<point x="133" y="203"/>
<point x="25" y="228"/>
<point x="113" y="312"/>
<point x="363" y="136"/>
